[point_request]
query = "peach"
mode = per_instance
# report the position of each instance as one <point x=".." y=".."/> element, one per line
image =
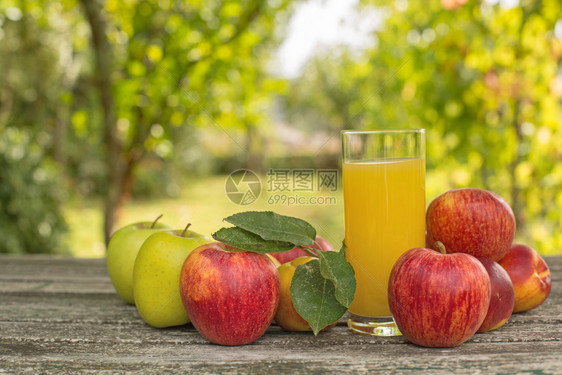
<point x="529" y="274"/>
<point x="287" y="317"/>
<point x="502" y="297"/>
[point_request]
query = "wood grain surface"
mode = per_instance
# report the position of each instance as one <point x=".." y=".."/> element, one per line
<point x="62" y="316"/>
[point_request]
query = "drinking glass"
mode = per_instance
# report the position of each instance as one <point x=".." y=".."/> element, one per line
<point x="384" y="203"/>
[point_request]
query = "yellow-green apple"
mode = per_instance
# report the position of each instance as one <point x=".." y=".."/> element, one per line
<point x="529" y="274"/>
<point x="502" y="296"/>
<point x="287" y="317"/>
<point x="473" y="221"/>
<point x="296" y="252"/>
<point x="122" y="251"/>
<point x="156" y="276"/>
<point x="438" y="299"/>
<point x="230" y="295"/>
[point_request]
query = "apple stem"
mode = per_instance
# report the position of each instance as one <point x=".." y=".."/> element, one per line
<point x="439" y="245"/>
<point x="154" y="222"/>
<point x="185" y="230"/>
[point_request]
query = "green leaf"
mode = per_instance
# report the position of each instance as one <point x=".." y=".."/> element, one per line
<point x="245" y="240"/>
<point x="337" y="269"/>
<point x="343" y="248"/>
<point x="271" y="226"/>
<point x="314" y="297"/>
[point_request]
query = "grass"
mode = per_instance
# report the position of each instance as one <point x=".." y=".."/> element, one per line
<point x="203" y="203"/>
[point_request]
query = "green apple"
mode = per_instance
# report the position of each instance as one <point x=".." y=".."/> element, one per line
<point x="156" y="276"/>
<point x="122" y="251"/>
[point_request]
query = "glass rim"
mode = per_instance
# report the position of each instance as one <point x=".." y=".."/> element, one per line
<point x="376" y="131"/>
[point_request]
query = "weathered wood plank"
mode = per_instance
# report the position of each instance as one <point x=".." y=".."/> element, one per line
<point x="67" y="286"/>
<point x="61" y="315"/>
<point x="45" y="266"/>
<point x="61" y="306"/>
<point x="107" y="331"/>
<point x="140" y="339"/>
<point x="353" y="358"/>
<point x="41" y="267"/>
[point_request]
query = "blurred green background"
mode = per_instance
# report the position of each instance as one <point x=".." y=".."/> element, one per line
<point x="116" y="111"/>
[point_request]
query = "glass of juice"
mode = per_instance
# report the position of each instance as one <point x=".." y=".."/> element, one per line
<point x="384" y="204"/>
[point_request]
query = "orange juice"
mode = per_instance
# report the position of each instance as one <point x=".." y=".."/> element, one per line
<point x="384" y="217"/>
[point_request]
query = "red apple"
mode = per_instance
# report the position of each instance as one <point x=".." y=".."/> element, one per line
<point x="296" y="252"/>
<point x="230" y="295"/>
<point x="473" y="221"/>
<point x="502" y="297"/>
<point x="287" y="316"/>
<point x="438" y="299"/>
<point x="529" y="274"/>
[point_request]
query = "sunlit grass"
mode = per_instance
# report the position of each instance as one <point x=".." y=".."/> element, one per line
<point x="203" y="203"/>
<point x="85" y="222"/>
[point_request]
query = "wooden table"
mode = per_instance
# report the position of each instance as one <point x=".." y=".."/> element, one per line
<point x="61" y="315"/>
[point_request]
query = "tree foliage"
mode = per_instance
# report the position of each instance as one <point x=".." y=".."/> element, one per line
<point x="114" y="83"/>
<point x="29" y="197"/>
<point x="174" y="61"/>
<point x="481" y="78"/>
